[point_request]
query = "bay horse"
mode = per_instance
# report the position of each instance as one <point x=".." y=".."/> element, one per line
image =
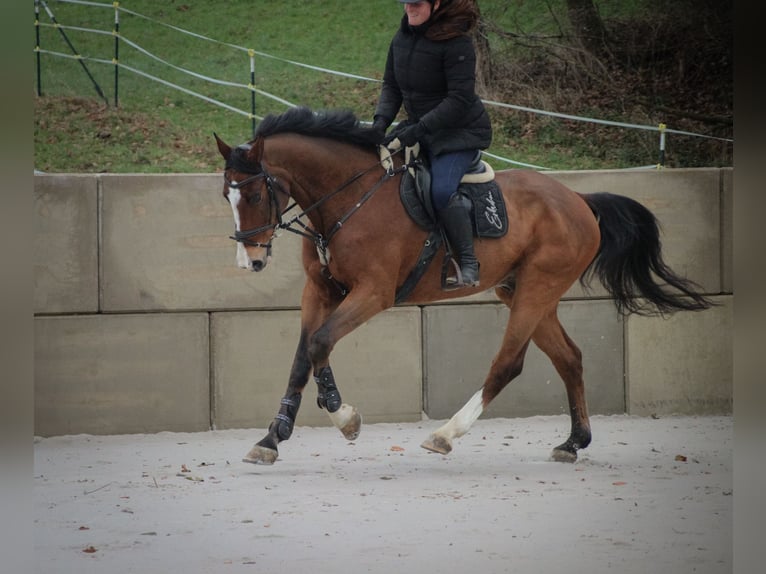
<point x="360" y="246"/>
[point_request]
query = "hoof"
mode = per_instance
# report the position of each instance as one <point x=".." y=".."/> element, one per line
<point x="438" y="444"/>
<point x="560" y="455"/>
<point x="348" y="420"/>
<point x="352" y="428"/>
<point x="261" y="455"/>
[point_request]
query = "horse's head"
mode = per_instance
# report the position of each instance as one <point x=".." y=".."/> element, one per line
<point x="255" y="200"/>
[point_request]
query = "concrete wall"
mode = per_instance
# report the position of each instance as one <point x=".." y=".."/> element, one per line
<point x="143" y="323"/>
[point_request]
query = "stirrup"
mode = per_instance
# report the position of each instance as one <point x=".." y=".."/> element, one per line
<point x="456" y="281"/>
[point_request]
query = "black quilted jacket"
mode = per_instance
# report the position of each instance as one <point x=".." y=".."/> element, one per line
<point x="435" y="82"/>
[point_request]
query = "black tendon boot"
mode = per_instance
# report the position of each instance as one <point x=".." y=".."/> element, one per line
<point x="456" y="218"/>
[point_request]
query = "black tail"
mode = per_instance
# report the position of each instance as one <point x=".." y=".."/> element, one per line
<point x="629" y="261"/>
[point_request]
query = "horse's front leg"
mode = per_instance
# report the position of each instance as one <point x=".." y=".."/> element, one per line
<point x="265" y="451"/>
<point x="358" y="307"/>
<point x="318" y="300"/>
<point x="344" y="416"/>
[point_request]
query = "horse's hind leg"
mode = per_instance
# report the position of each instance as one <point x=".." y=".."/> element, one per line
<point x="553" y="340"/>
<point x="506" y="365"/>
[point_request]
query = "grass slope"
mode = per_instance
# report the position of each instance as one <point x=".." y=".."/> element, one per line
<point x="158" y="129"/>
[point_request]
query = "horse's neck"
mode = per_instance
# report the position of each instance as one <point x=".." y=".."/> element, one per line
<point x="317" y="169"/>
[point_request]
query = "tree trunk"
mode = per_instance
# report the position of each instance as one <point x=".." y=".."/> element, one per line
<point x="483" y="60"/>
<point x="588" y="27"/>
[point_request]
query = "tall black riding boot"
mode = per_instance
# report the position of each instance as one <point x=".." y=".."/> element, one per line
<point x="456" y="219"/>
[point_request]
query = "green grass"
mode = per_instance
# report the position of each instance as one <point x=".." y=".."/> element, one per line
<point x="158" y="129"/>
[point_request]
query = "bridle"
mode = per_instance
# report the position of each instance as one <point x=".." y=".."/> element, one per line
<point x="273" y="186"/>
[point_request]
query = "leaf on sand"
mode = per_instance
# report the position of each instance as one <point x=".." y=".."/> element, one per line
<point x="192" y="478"/>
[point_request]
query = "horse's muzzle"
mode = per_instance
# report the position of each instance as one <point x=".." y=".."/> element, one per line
<point x="257" y="265"/>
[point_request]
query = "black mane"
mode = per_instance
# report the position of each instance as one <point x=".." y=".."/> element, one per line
<point x="341" y="125"/>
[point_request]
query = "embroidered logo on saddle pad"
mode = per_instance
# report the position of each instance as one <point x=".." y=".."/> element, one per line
<point x="490" y="217"/>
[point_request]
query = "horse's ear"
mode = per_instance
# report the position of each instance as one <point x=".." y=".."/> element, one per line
<point x="222" y="147"/>
<point x="255" y="153"/>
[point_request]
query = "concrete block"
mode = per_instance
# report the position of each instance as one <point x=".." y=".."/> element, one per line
<point x="377" y="368"/>
<point x="115" y="374"/>
<point x="687" y="204"/>
<point x="166" y="246"/>
<point x="682" y="364"/>
<point x="65" y="245"/>
<point x="460" y="343"/>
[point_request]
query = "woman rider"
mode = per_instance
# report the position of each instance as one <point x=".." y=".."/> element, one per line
<point x="431" y="70"/>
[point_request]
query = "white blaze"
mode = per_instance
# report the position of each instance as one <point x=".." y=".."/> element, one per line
<point x="234" y="198"/>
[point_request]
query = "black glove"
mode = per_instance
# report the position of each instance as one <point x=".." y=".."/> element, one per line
<point x="380" y="126"/>
<point x="410" y="135"/>
<point x="407" y="137"/>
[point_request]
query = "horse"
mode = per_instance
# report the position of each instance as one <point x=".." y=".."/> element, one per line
<point x="360" y="246"/>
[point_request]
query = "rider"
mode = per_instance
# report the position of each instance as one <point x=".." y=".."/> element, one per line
<point x="431" y="69"/>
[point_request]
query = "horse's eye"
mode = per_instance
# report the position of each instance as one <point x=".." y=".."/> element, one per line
<point x="254" y="198"/>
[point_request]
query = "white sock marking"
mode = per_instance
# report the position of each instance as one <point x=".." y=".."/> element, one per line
<point x="461" y="422"/>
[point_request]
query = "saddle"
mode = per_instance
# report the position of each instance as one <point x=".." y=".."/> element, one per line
<point x="490" y="219"/>
<point x="489" y="214"/>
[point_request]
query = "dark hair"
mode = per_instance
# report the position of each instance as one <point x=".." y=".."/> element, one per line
<point x="453" y="18"/>
<point x="338" y="124"/>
